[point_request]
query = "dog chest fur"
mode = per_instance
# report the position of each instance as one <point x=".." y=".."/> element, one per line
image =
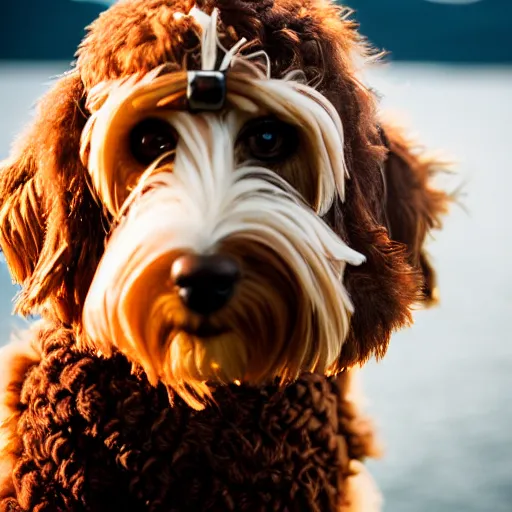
<point x="92" y="434"/>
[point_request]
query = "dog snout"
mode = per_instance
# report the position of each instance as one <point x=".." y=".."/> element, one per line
<point x="205" y="283"/>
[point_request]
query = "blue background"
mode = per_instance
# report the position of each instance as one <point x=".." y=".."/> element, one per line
<point x="413" y="30"/>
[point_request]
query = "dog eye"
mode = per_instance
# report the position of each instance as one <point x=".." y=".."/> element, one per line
<point x="269" y="139"/>
<point x="152" y="138"/>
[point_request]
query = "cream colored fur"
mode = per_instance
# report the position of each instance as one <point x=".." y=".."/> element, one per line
<point x="363" y="493"/>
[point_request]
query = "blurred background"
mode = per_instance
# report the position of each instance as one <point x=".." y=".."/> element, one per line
<point x="442" y="398"/>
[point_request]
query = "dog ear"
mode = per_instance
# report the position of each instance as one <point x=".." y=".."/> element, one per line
<point x="413" y="206"/>
<point x="387" y="216"/>
<point x="46" y="209"/>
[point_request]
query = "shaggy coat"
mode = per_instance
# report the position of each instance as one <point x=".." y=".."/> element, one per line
<point x="81" y="432"/>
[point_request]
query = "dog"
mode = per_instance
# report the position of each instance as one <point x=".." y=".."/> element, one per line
<point x="207" y="208"/>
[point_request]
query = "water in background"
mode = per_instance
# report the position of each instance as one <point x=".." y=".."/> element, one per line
<point x="442" y="396"/>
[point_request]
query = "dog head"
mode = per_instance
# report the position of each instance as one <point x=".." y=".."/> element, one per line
<point x="206" y="192"/>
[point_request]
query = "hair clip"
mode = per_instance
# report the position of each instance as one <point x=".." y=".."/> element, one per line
<point x="206" y="90"/>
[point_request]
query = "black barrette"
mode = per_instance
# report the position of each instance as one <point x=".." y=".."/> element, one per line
<point x="206" y="90"/>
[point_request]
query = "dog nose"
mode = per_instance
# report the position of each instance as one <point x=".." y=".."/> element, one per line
<point x="205" y="283"/>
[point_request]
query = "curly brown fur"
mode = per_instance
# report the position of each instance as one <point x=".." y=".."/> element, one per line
<point x="413" y="206"/>
<point x="49" y="223"/>
<point x="16" y="360"/>
<point x="96" y="436"/>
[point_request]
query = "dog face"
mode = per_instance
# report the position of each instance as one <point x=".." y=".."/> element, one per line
<point x="219" y="269"/>
<point x="205" y="193"/>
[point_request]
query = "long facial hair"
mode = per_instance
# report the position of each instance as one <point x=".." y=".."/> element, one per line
<point x="290" y="312"/>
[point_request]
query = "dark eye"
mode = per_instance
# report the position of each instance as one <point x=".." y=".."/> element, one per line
<point x="269" y="139"/>
<point x="152" y="138"/>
